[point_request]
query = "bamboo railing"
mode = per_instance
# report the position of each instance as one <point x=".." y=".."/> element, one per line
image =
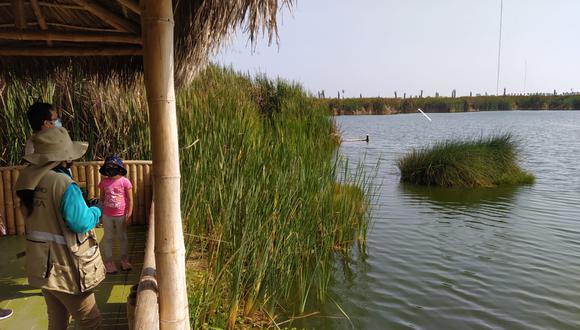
<point x="87" y="176"/>
<point x="147" y="306"/>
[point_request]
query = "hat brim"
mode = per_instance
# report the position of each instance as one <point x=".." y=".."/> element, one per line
<point x="31" y="175"/>
<point x="76" y="151"/>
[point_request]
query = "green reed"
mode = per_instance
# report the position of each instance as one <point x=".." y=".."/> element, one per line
<point x="264" y="200"/>
<point x="483" y="162"/>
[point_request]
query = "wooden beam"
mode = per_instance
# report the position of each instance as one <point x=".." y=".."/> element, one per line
<point x="40" y="18"/>
<point x="82" y="28"/>
<point x="38" y="14"/>
<point x="110" y="37"/>
<point x="60" y="6"/>
<point x="158" y="65"/>
<point x="19" y="16"/>
<point x="39" y="51"/>
<point x="107" y="16"/>
<point x="131" y="5"/>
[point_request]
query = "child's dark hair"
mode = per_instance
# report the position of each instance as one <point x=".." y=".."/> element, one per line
<point x="37" y="113"/>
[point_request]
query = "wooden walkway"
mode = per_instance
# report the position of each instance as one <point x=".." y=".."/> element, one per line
<point x="28" y="303"/>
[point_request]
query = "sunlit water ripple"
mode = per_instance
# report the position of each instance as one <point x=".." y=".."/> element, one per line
<point x="504" y="258"/>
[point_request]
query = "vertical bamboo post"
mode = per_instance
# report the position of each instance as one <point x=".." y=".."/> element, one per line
<point x="90" y="181"/>
<point x="148" y="194"/>
<point x="157" y="30"/>
<point x="141" y="194"/>
<point x="75" y="172"/>
<point x="9" y="221"/>
<point x="2" y="210"/>
<point x="135" y="184"/>
<point x="97" y="180"/>
<point x="82" y="174"/>
<point x="18" y="217"/>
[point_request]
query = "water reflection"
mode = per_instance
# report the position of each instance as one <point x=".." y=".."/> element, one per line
<point x="450" y="199"/>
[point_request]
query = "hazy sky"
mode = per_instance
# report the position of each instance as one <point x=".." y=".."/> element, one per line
<point x="376" y="47"/>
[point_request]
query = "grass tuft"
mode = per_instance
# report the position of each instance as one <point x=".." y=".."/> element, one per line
<point x="483" y="162"/>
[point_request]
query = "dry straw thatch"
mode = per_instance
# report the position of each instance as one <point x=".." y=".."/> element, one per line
<point x="40" y="38"/>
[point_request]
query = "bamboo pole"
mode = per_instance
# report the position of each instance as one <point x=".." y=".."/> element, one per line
<point x="10" y="228"/>
<point x="40" y="18"/>
<point x="82" y="175"/>
<point x="133" y="6"/>
<point x="70" y="51"/>
<point x="97" y="175"/>
<point x="141" y="195"/>
<point x="2" y="209"/>
<point x="19" y="15"/>
<point x="157" y="26"/>
<point x="18" y="217"/>
<point x="147" y="180"/>
<point x="133" y="178"/>
<point x="106" y="15"/>
<point x="75" y="173"/>
<point x="90" y="182"/>
<point x="147" y="309"/>
<point x="71" y="36"/>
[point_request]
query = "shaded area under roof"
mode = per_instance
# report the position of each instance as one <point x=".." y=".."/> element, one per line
<point x="90" y="37"/>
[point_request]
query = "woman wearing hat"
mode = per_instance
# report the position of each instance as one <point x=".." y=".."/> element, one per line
<point x="62" y="254"/>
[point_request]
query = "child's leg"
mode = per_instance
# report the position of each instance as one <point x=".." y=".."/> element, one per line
<point x="121" y="236"/>
<point x="109" y="225"/>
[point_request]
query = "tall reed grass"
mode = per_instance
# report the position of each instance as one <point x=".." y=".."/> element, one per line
<point x="265" y="207"/>
<point x="483" y="162"/>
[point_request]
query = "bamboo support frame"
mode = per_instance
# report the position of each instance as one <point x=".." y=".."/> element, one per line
<point x="18" y="217"/>
<point x="19" y="16"/>
<point x="132" y="174"/>
<point x="134" y="7"/>
<point x="40" y="18"/>
<point x="157" y="30"/>
<point x="147" y="308"/>
<point x="140" y="198"/>
<point x="90" y="182"/>
<point x="2" y="209"/>
<point x="107" y="16"/>
<point x="64" y="51"/>
<point x="112" y="37"/>
<point x="9" y="205"/>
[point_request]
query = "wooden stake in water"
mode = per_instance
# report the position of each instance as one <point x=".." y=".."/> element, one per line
<point x="424" y="114"/>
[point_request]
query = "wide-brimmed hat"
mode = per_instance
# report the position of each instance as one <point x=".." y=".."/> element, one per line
<point x="55" y="145"/>
<point x="113" y="160"/>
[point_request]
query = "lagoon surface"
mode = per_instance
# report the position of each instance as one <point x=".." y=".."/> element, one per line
<point x="505" y="258"/>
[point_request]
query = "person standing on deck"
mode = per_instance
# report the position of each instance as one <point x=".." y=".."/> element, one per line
<point x="62" y="254"/>
<point x="41" y="116"/>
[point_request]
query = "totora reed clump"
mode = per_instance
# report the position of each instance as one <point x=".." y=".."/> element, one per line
<point x="483" y="162"/>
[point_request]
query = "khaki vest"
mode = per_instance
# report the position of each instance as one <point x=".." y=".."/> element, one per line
<point x="57" y="258"/>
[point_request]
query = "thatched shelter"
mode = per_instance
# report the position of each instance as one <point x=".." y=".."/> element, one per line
<point x="166" y="40"/>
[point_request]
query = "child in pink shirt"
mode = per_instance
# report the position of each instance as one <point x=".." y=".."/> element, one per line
<point x="117" y="205"/>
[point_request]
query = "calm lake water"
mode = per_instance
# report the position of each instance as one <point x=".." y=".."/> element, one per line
<point x="487" y="259"/>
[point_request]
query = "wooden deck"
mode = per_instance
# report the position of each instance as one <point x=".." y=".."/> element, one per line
<point x="28" y="303"/>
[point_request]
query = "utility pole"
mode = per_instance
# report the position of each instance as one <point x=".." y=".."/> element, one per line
<point x="499" y="47"/>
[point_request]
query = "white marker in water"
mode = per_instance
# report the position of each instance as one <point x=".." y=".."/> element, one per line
<point x="424" y="114"/>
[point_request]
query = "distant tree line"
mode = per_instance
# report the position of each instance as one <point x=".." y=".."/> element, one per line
<point x="378" y="105"/>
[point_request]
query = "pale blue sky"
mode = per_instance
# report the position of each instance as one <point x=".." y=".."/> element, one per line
<point x="376" y="47"/>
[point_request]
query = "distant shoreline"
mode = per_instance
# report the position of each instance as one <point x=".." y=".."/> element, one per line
<point x="389" y="106"/>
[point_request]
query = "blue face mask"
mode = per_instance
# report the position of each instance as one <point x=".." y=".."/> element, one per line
<point x="57" y="123"/>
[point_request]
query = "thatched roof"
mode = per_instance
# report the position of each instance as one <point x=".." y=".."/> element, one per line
<point x="40" y="37"/>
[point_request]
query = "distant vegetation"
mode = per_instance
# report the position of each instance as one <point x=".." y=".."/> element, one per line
<point x="485" y="162"/>
<point x="384" y="106"/>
